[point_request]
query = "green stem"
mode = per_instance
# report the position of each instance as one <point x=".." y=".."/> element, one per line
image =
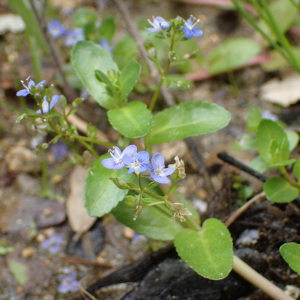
<point x="288" y="176"/>
<point x="154" y="98"/>
<point x="254" y="24"/>
<point x="87" y="139"/>
<point x="87" y="146"/>
<point x="295" y="4"/>
<point x="282" y="38"/>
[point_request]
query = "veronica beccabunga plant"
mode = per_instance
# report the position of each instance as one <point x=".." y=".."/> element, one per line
<point x="136" y="186"/>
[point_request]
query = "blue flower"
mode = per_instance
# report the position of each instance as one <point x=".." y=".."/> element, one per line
<point x="157" y="169"/>
<point x="53" y="243"/>
<point x="72" y="36"/>
<point x="30" y="83"/>
<point x="268" y="115"/>
<point x="68" y="282"/>
<point x="56" y="29"/>
<point x="48" y="106"/>
<point x="189" y="28"/>
<point x="59" y="149"/>
<point x="104" y="43"/>
<point x="158" y="23"/>
<point x="116" y="162"/>
<point x="138" y="162"/>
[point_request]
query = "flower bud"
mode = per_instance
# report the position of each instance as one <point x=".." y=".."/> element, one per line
<point x="165" y="26"/>
<point x="119" y="183"/>
<point x="137" y="211"/>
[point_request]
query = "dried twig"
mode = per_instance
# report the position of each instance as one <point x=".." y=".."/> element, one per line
<point x="83" y="291"/>
<point x="242" y="209"/>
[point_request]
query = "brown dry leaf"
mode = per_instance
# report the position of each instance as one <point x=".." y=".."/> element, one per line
<point x="283" y="92"/>
<point x="78" y="217"/>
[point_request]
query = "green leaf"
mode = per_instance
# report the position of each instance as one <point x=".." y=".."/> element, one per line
<point x="293" y="138"/>
<point x="272" y="142"/>
<point x="87" y="57"/>
<point x="125" y="51"/>
<point x="133" y="120"/>
<point x="283" y="163"/>
<point x="253" y="119"/>
<point x="189" y="206"/>
<point x="100" y="193"/>
<point x="209" y="251"/>
<point x="245" y="142"/>
<point x="187" y="119"/>
<point x="259" y="165"/>
<point x="103" y="78"/>
<point x="128" y="78"/>
<point x="280" y="190"/>
<point x="152" y="222"/>
<point x="291" y="254"/>
<point x="31" y="23"/>
<point x="232" y="54"/>
<point x="108" y="28"/>
<point x="296" y="170"/>
<point x="84" y="16"/>
<point x="19" y="270"/>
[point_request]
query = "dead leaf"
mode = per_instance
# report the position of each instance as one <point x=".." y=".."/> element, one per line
<point x="78" y="217"/>
<point x="283" y="92"/>
<point x="12" y="23"/>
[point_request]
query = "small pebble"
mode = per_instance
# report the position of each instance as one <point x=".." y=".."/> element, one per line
<point x="248" y="237"/>
<point x="19" y="289"/>
<point x="27" y="252"/>
<point x="128" y="233"/>
<point x="40" y="237"/>
<point x="58" y="179"/>
<point x="47" y="212"/>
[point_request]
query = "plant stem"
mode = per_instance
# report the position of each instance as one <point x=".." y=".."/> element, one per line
<point x="258" y="280"/>
<point x="87" y="139"/>
<point x="289" y="177"/>
<point x="295" y="4"/>
<point x="87" y="146"/>
<point x="163" y="75"/>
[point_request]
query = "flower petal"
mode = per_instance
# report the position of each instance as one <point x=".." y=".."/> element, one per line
<point x="131" y="170"/>
<point x="158" y="161"/>
<point x="168" y="171"/>
<point x="45" y="244"/>
<point x="132" y="149"/>
<point x="150" y="168"/>
<point x="31" y="83"/>
<point x="187" y="32"/>
<point x="54" y="101"/>
<point x="197" y="31"/>
<point x="73" y="286"/>
<point x="41" y="83"/>
<point x="159" y="20"/>
<point x="22" y="93"/>
<point x="63" y="288"/>
<point x="143" y="168"/>
<point x="189" y="22"/>
<point x="110" y="163"/>
<point x="143" y="157"/>
<point x="128" y="159"/>
<point x="159" y="179"/>
<point x="117" y="151"/>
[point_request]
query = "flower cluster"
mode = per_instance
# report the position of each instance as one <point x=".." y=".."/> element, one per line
<point x="70" y="37"/>
<point x="68" y="281"/>
<point x="38" y="90"/>
<point x="53" y="243"/>
<point x="188" y="28"/>
<point x="139" y="162"/>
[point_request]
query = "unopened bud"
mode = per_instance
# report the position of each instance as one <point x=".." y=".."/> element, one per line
<point x="165" y="26"/>
<point x="131" y="201"/>
<point x="137" y="211"/>
<point x="119" y="183"/>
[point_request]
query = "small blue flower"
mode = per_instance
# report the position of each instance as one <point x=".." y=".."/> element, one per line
<point x="53" y="243"/>
<point x="59" y="149"/>
<point x="56" y="29"/>
<point x="157" y="169"/>
<point x="158" y="23"/>
<point x="48" y="106"/>
<point x="138" y="162"/>
<point x="72" y="36"/>
<point x="268" y="115"/>
<point x="116" y="162"/>
<point x="189" y="28"/>
<point x="30" y="83"/>
<point x="68" y="282"/>
<point x="104" y="43"/>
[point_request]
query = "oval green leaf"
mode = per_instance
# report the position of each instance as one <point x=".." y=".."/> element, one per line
<point x="100" y="193"/>
<point x="87" y="57"/>
<point x="232" y="54"/>
<point x="128" y="78"/>
<point x="291" y="254"/>
<point x="133" y="120"/>
<point x="209" y="251"/>
<point x="187" y="119"/>
<point x="293" y="138"/>
<point x="152" y="222"/>
<point x="280" y="190"/>
<point x="272" y="143"/>
<point x="296" y="169"/>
